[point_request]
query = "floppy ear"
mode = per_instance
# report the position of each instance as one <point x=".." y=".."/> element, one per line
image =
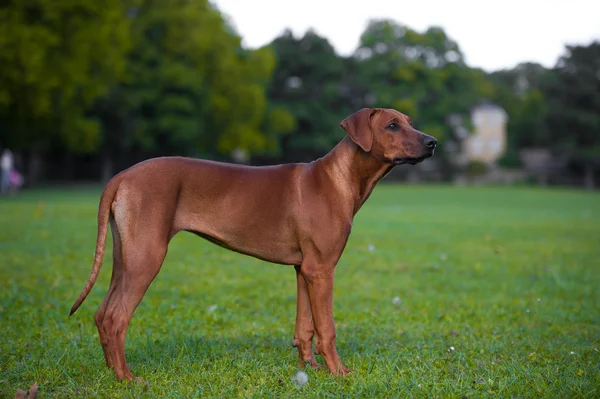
<point x="358" y="127"/>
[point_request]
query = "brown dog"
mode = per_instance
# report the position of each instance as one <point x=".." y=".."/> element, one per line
<point x="294" y="214"/>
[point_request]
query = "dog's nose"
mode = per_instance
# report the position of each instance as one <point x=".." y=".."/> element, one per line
<point x="430" y="142"/>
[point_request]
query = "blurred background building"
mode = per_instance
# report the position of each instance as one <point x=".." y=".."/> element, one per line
<point x="487" y="143"/>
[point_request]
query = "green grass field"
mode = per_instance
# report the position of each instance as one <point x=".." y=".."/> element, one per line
<point x="441" y="292"/>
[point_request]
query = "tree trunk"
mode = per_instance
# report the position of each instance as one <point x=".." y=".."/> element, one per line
<point x="34" y="167"/>
<point x="589" y="177"/>
<point x="67" y="172"/>
<point x="107" y="168"/>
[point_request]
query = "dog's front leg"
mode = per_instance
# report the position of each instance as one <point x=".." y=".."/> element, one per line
<point x="319" y="282"/>
<point x="305" y="328"/>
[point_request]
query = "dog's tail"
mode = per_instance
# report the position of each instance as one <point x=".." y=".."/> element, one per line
<point x="103" y="214"/>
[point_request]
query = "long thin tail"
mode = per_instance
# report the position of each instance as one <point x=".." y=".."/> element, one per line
<point x="103" y="214"/>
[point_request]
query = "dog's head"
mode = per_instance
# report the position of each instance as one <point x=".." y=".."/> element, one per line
<point x="389" y="136"/>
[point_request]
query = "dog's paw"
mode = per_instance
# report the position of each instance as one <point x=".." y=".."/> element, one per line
<point x="140" y="381"/>
<point x="341" y="371"/>
<point x="311" y="363"/>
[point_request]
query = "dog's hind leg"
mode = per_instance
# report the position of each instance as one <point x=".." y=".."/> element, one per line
<point x="142" y="226"/>
<point x="117" y="272"/>
<point x="142" y="263"/>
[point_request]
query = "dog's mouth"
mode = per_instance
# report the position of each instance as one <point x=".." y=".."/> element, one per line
<point x="411" y="161"/>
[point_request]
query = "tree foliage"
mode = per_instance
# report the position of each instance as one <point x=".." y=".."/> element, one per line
<point x="574" y="108"/>
<point x="574" y="103"/>
<point x="57" y="58"/>
<point x="521" y="92"/>
<point x="309" y="82"/>
<point x="157" y="75"/>
<point x="190" y="87"/>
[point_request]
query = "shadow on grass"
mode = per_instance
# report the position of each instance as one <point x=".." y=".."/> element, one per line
<point x="187" y="352"/>
<point x="192" y="351"/>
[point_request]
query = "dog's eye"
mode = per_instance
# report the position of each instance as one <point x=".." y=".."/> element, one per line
<point x="393" y="126"/>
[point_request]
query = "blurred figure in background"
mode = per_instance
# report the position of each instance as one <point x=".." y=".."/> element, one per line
<point x="6" y="164"/>
<point x="16" y="181"/>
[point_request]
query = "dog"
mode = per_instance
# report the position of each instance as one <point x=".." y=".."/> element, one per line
<point x="297" y="214"/>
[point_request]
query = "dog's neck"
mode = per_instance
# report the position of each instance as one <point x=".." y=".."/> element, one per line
<point x="353" y="171"/>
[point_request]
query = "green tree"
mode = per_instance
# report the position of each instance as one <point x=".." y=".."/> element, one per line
<point x="58" y="57"/>
<point x="521" y="92"/>
<point x="574" y="108"/>
<point x="190" y="87"/>
<point x="309" y="81"/>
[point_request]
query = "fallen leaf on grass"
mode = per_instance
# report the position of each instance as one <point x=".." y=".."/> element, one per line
<point x="30" y="394"/>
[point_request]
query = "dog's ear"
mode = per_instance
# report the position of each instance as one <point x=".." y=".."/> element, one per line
<point x="358" y="126"/>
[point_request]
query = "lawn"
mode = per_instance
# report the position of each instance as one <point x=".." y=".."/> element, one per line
<point x="441" y="292"/>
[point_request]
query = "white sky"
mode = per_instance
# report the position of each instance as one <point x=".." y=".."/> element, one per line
<point x="492" y="34"/>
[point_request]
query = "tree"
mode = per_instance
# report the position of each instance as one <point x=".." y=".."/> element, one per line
<point x="57" y="58"/>
<point x="520" y="91"/>
<point x="574" y="108"/>
<point x="190" y="88"/>
<point x="309" y="82"/>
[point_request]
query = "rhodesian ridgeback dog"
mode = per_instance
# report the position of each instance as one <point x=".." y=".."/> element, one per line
<point x="293" y="214"/>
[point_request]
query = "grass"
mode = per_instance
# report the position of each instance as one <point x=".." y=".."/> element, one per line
<point x="507" y="278"/>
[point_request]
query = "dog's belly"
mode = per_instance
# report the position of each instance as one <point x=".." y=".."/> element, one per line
<point x="240" y="227"/>
<point x="268" y="250"/>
